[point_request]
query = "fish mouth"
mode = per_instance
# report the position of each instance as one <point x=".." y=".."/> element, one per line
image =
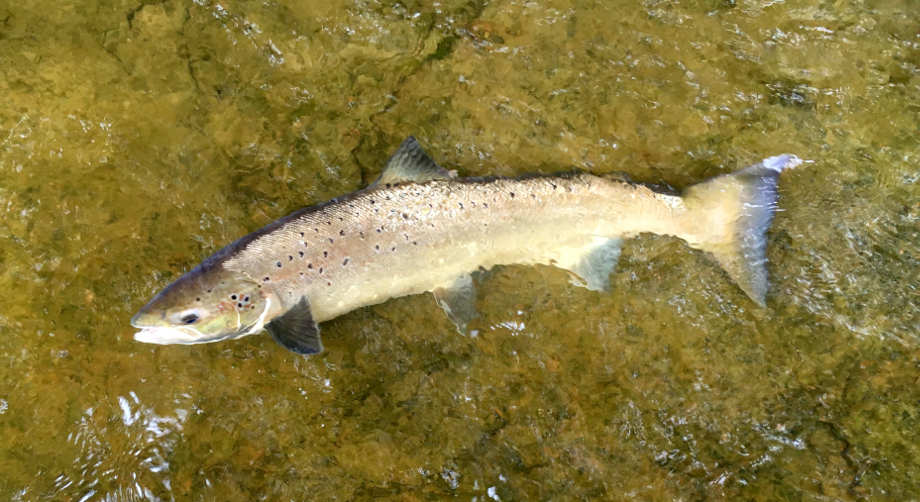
<point x="166" y="335"/>
<point x="180" y="335"/>
<point x="170" y="336"/>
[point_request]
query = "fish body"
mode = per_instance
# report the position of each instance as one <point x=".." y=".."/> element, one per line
<point x="420" y="229"/>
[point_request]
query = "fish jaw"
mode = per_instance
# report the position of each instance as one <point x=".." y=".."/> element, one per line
<point x="171" y="335"/>
<point x="181" y="336"/>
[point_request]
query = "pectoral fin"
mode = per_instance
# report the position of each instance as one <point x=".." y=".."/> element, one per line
<point x="296" y="330"/>
<point x="458" y="300"/>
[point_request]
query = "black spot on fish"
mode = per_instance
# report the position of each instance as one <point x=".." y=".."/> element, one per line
<point x="511" y="194"/>
<point x="321" y="270"/>
<point x="315" y="229"/>
<point x="301" y="253"/>
<point x="405" y="216"/>
<point x="393" y="248"/>
<point x="301" y="234"/>
<point x="379" y="230"/>
<point x="233" y="297"/>
<point x="361" y="234"/>
<point x="278" y="264"/>
<point x="325" y="254"/>
<point x="406" y="236"/>
<point x="246" y="299"/>
<point x="485" y="205"/>
<point x="197" y="299"/>
<point x="290" y="258"/>
<point x="554" y="185"/>
<point x="328" y="283"/>
<point x="331" y="241"/>
<point x="265" y="278"/>
<point x="209" y="291"/>
<point x="342" y="233"/>
<point x="309" y="265"/>
<point x="329" y="223"/>
<point x="460" y="204"/>
<point x="377" y="247"/>
<point x="372" y="201"/>
<point x="239" y="305"/>
<point x="345" y="262"/>
<point x="415" y="243"/>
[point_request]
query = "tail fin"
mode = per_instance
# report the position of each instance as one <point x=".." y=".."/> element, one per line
<point x="731" y="214"/>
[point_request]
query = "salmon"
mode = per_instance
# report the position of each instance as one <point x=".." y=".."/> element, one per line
<point x="419" y="229"/>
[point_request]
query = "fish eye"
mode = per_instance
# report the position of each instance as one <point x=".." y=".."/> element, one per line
<point x="189" y="319"/>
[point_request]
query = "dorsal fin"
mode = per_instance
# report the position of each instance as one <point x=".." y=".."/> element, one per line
<point x="411" y="163"/>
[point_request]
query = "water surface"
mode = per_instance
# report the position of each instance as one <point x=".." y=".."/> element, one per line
<point x="138" y="138"/>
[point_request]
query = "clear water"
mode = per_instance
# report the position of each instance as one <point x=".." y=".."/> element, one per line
<point x="136" y="139"/>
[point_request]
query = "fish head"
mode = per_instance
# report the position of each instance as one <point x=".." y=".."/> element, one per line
<point x="205" y="305"/>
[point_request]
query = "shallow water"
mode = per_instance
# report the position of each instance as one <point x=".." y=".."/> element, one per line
<point x="138" y="138"/>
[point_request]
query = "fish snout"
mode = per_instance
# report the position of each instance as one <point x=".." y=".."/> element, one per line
<point x="136" y="320"/>
<point x="145" y="319"/>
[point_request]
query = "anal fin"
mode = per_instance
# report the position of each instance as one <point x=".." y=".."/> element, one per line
<point x="296" y="330"/>
<point x="458" y="300"/>
<point x="593" y="263"/>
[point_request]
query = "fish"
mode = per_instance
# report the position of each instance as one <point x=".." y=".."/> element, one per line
<point x="420" y="228"/>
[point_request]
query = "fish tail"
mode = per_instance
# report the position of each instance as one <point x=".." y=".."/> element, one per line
<point x="730" y="215"/>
